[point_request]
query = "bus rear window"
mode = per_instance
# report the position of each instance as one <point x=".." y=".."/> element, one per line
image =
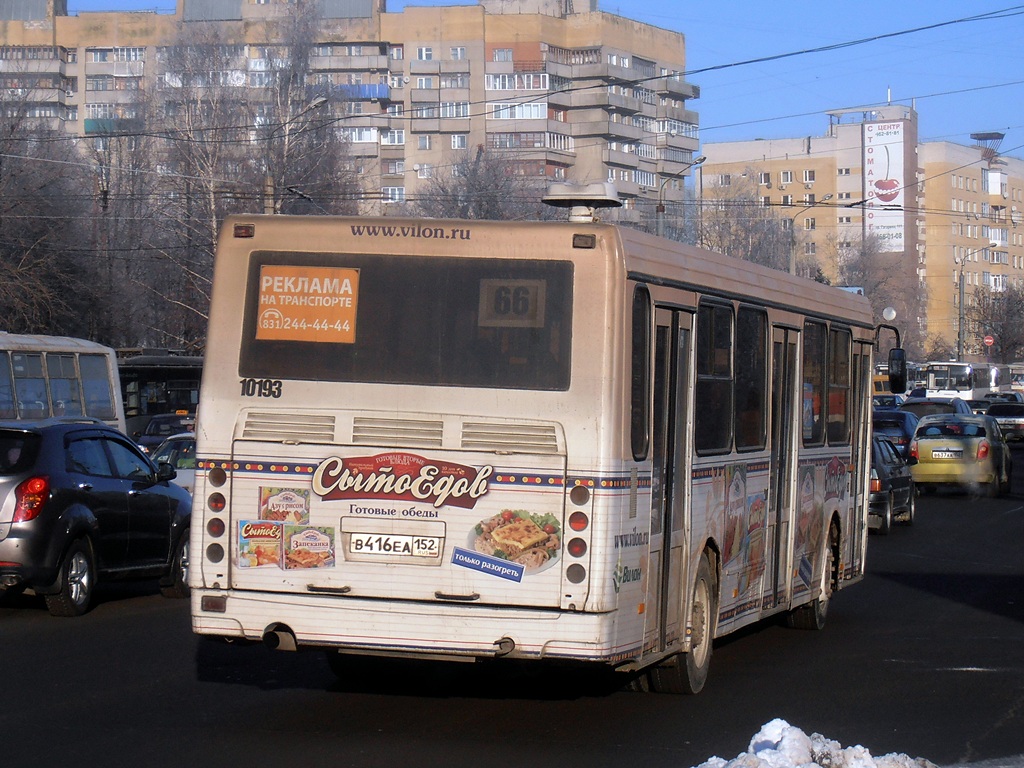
<point x="408" y="320"/>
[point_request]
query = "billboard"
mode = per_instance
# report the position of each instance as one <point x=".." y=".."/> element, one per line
<point x="884" y="184"/>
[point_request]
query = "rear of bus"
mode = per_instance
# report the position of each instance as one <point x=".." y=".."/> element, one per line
<point x="398" y="437"/>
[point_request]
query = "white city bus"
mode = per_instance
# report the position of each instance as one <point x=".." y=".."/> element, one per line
<point x="539" y="441"/>
<point x="43" y="377"/>
<point x="968" y="381"/>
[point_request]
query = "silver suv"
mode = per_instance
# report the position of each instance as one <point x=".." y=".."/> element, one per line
<point x="80" y="502"/>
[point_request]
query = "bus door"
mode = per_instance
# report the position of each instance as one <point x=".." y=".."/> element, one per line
<point x="670" y="508"/>
<point x="784" y="414"/>
<point x="861" y="458"/>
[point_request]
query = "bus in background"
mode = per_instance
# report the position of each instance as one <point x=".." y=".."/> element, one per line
<point x="1017" y="376"/>
<point x="968" y="381"/>
<point x="157" y="382"/>
<point x="51" y="376"/>
<point x="564" y="442"/>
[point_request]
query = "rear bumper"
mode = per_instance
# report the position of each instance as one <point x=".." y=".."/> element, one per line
<point x="963" y="474"/>
<point x="412" y="629"/>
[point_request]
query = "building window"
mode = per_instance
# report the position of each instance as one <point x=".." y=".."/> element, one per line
<point x="766" y="202"/>
<point x="786" y="177"/>
<point x="844" y="196"/>
<point x="460" y="141"/>
<point x="764" y="178"/>
<point x="424" y="82"/>
<point x="808" y="176"/>
<point x="502" y="54"/>
<point x="458" y="52"/>
<point x="844" y="172"/>
<point x="787" y="200"/>
<point x="809" y="223"/>
<point x="810" y="249"/>
<point x="845" y="219"/>
<point x="454" y="109"/>
<point x="423" y="141"/>
<point x="392" y="194"/>
<point x="425" y="54"/>
<point x="397" y="52"/>
<point x="392" y="137"/>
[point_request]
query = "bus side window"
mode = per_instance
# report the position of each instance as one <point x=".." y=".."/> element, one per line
<point x="713" y="399"/>
<point x="751" y="378"/>
<point x="7" y="409"/>
<point x="30" y="385"/>
<point x="839" y="380"/>
<point x="812" y="407"/>
<point x="640" y="374"/>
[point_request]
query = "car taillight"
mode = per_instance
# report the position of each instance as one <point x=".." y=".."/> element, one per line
<point x="983" y="450"/>
<point x="913" y="450"/>
<point x="876" y="485"/>
<point x="31" y="496"/>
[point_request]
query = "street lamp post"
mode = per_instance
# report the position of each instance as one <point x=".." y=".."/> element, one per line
<point x="959" y="262"/>
<point x="660" y="210"/>
<point x="792" y="232"/>
<point x="270" y="202"/>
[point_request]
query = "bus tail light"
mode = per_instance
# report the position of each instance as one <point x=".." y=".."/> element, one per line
<point x="578" y="521"/>
<point x="215" y="527"/>
<point x="576" y="547"/>
<point x="216" y="502"/>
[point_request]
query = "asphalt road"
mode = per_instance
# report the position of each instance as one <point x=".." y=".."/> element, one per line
<point x="924" y="657"/>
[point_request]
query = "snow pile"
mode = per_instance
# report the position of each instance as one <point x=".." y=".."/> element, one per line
<point x="780" y="745"/>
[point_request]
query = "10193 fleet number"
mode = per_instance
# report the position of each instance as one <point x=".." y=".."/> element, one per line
<point x="261" y="387"/>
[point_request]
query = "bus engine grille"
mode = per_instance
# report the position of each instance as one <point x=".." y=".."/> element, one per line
<point x="512" y="438"/>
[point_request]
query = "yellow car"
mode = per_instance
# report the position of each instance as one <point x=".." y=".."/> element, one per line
<point x="961" y="450"/>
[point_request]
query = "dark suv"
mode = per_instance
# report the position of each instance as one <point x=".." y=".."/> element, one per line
<point x="79" y="502"/>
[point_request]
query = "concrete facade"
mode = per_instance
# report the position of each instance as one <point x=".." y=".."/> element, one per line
<point x="932" y="203"/>
<point x="575" y="94"/>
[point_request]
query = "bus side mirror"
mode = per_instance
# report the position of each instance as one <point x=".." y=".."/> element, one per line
<point x="897" y="370"/>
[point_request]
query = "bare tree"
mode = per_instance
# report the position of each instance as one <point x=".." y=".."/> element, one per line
<point x="733" y="221"/>
<point x="237" y="129"/>
<point x="997" y="314"/>
<point x="886" y="279"/>
<point x="484" y="185"/>
<point x="47" y="262"/>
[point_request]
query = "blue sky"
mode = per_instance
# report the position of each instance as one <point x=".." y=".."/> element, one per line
<point x="964" y="77"/>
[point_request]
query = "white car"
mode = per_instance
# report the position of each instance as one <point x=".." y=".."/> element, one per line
<point x="180" y="452"/>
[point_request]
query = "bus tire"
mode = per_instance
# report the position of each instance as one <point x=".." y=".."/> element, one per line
<point x="77" y="581"/>
<point x="687" y="672"/>
<point x="813" y="615"/>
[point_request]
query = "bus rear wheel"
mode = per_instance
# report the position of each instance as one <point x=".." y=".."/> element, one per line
<point x="813" y="615"/>
<point x="687" y="672"/>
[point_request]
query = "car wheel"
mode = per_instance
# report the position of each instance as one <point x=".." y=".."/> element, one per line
<point x="77" y="582"/>
<point x="908" y="515"/>
<point x="687" y="672"/>
<point x="813" y="615"/>
<point x="178" y="576"/>
<point x="885" y="524"/>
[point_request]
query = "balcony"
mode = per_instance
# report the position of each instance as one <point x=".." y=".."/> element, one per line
<point x="608" y="129"/>
<point x="674" y="88"/>
<point x="112" y="125"/>
<point x="362" y="92"/>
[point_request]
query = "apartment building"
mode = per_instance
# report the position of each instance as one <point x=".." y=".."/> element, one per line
<point x="974" y="198"/>
<point x="569" y="92"/>
<point x="932" y="205"/>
